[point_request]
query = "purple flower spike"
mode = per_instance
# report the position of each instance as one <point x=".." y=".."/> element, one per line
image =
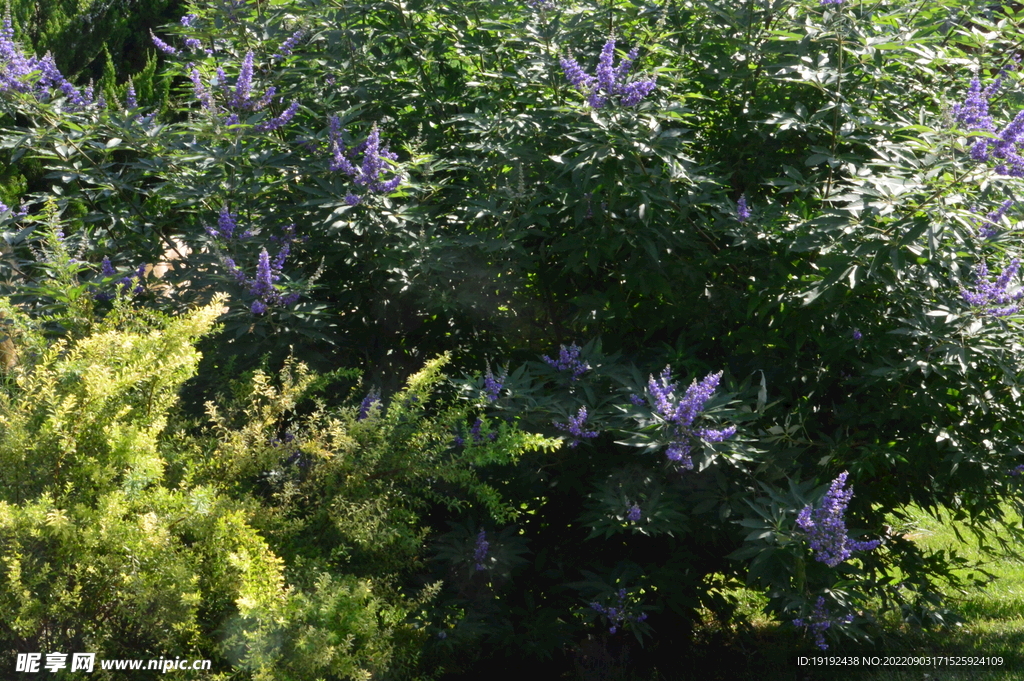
<point x="821" y="619"/>
<point x="492" y="385"/>
<point x="162" y="46"/>
<point x="610" y="80"/>
<point x="742" y="212"/>
<point x="989" y="294"/>
<point x="568" y="360"/>
<point x="480" y="551"/>
<point x="227" y="222"/>
<point x="634" y="514"/>
<point x="679" y="413"/>
<point x="575" y="427"/>
<point x="375" y="163"/>
<point x="288" y="45"/>
<point x="106" y="269"/>
<point x="372" y="398"/>
<point x="618" y="615"/>
<point x="280" y="121"/>
<point x="989" y="227"/>
<point x="825" y="526"/>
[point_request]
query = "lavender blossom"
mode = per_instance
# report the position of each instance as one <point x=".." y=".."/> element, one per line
<point x="679" y="413"/>
<point x="280" y="120"/>
<point x="857" y="335"/>
<point x="989" y="228"/>
<point x="831" y="2"/>
<point x="821" y="619"/>
<point x="202" y="93"/>
<point x="227" y="222"/>
<point x="366" y="406"/>
<point x="492" y="385"/>
<point x="370" y="173"/>
<point x="988" y="294"/>
<point x="243" y="84"/>
<point x="610" y="80"/>
<point x="618" y="615"/>
<point x="634" y="513"/>
<point x="973" y="114"/>
<point x="188" y="20"/>
<point x="679" y="452"/>
<point x="106" y="269"/>
<point x="162" y="46"/>
<point x="288" y="45"/>
<point x="568" y="360"/>
<point x="267" y="273"/>
<point x="1018" y="470"/>
<point x="684" y="410"/>
<point x="575" y="427"/>
<point x="742" y="212"/>
<point x="17" y="73"/>
<point x="825" y="526"/>
<point x="193" y="44"/>
<point x="130" y="101"/>
<point x="132" y="283"/>
<point x="475" y="431"/>
<point x="480" y="551"/>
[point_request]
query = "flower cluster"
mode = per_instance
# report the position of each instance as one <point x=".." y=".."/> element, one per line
<point x="610" y="80"/>
<point x="162" y="46"/>
<point x="375" y="161"/>
<point x="679" y="413"/>
<point x="831" y="2"/>
<point x="22" y="210"/>
<point x="742" y="212"/>
<point x="493" y="385"/>
<point x="17" y="73"/>
<point x="820" y="620"/>
<point x="366" y="406"/>
<point x="480" y="551"/>
<point x="989" y="227"/>
<point x="633" y="514"/>
<point x="568" y="360"/>
<point x="240" y="98"/>
<point x="825" y="526"/>
<point x="268" y="270"/>
<point x="618" y="614"/>
<point x="288" y="45"/>
<point x="575" y="427"/>
<point x="973" y="114"/>
<point x="989" y="295"/>
<point x="227" y="224"/>
<point x="124" y="284"/>
<point x="1019" y="470"/>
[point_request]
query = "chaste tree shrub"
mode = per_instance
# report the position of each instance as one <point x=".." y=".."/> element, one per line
<point x="784" y="232"/>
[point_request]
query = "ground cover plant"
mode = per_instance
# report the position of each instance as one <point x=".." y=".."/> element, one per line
<point x="576" y="309"/>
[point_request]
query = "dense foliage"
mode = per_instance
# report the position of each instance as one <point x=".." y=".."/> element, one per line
<point x="753" y="239"/>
